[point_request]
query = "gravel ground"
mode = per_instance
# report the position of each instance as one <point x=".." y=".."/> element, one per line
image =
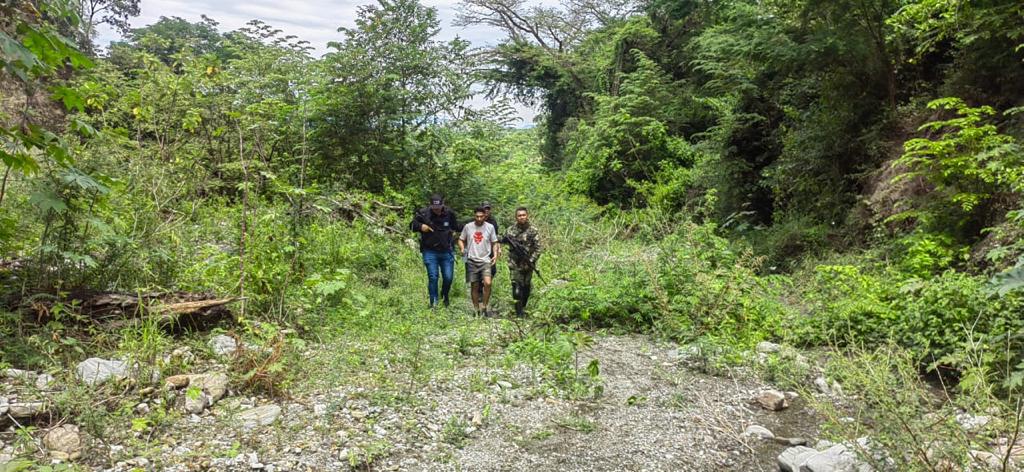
<point x="655" y="413"/>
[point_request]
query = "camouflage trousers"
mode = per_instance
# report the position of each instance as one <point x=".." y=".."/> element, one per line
<point x="522" y="280"/>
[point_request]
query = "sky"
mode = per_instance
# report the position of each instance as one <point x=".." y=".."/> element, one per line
<point x="316" y="21"/>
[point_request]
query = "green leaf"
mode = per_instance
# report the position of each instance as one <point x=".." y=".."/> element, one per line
<point x="1008" y="281"/>
<point x="46" y="201"/>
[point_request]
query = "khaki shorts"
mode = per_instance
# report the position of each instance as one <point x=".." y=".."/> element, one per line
<point x="477" y="271"/>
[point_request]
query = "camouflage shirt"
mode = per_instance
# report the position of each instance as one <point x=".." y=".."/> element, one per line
<point x="529" y="240"/>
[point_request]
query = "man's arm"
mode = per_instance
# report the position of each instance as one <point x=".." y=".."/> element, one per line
<point x="419" y="224"/>
<point x="535" y="254"/>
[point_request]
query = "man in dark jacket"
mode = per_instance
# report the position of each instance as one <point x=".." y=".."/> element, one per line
<point x="436" y="224"/>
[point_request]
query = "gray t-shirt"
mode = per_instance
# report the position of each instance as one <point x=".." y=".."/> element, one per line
<point x="479" y="240"/>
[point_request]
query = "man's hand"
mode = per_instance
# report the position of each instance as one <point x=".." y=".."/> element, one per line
<point x="426" y="228"/>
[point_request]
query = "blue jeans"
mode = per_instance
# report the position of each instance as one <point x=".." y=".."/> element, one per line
<point x="442" y="262"/>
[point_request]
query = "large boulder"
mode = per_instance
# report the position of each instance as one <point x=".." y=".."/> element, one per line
<point x="95" y="371"/>
<point x="64" y="442"/>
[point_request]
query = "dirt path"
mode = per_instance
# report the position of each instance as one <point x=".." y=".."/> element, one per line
<point x="655" y="414"/>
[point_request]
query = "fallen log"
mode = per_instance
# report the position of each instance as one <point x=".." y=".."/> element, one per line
<point x="114" y="310"/>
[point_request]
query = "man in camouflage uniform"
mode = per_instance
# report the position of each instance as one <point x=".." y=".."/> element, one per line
<point x="524" y="249"/>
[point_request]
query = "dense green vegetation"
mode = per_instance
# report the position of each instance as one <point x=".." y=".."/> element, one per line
<point x="841" y="174"/>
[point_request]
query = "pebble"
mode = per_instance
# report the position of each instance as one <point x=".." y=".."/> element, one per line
<point x="758" y="431"/>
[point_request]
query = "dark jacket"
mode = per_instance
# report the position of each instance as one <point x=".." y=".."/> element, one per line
<point x="443" y="225"/>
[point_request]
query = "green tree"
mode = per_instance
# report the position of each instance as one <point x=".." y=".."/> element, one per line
<point x="387" y="82"/>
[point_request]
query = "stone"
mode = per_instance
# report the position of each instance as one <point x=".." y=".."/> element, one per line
<point x="319" y="409"/>
<point x="142" y="408"/>
<point x="758" y="431"/>
<point x="505" y="385"/>
<point x="987" y="459"/>
<point x="44" y="381"/>
<point x="177" y="381"/>
<point x="4" y="406"/>
<point x="195" y="404"/>
<point x="772" y="400"/>
<point x="837" y="458"/>
<point x="215" y="385"/>
<point x="477" y="419"/>
<point x="223" y="345"/>
<point x="837" y="389"/>
<point x="259" y="416"/>
<point x="768" y="347"/>
<point x="25" y="410"/>
<point x="972" y="423"/>
<point x="792" y="458"/>
<point x="822" y="385"/>
<point x="254" y="461"/>
<point x="18" y="374"/>
<point x="1016" y="451"/>
<point x="94" y="371"/>
<point x="795" y="441"/>
<point x="64" y="442"/>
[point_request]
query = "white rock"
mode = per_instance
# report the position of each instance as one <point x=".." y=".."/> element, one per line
<point x="971" y="423"/>
<point x="254" y="461"/>
<point x="4" y="406"/>
<point x="505" y="385"/>
<point x="259" y="416"/>
<point x="791" y="459"/>
<point x="987" y="459"/>
<point x="822" y="385"/>
<point x="768" y="347"/>
<point x="44" y="381"/>
<point x="25" y="410"/>
<point x="195" y="404"/>
<point x="94" y="371"/>
<point x="64" y="442"/>
<point x="223" y="345"/>
<point x="215" y="385"/>
<point x="319" y="409"/>
<point x="18" y="374"/>
<point x="773" y="400"/>
<point x="837" y="458"/>
<point x="758" y="431"/>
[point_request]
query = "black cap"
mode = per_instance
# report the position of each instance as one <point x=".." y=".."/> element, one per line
<point x="486" y="205"/>
<point x="436" y="201"/>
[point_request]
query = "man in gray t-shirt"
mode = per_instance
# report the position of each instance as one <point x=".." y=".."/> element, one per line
<point x="477" y="242"/>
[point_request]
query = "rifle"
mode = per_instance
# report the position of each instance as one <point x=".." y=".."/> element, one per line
<point x="521" y="253"/>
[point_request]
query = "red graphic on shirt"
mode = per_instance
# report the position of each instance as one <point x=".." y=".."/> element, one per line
<point x="478" y="237"/>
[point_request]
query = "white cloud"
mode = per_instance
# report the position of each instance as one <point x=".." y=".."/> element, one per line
<point x="314" y="21"/>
